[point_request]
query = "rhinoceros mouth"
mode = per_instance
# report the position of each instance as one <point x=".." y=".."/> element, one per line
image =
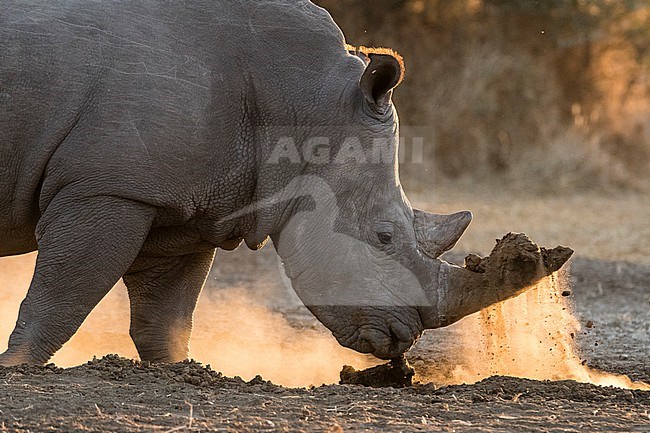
<point x="386" y="334"/>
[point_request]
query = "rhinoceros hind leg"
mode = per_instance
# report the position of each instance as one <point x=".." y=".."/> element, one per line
<point x="85" y="245"/>
<point x="163" y="292"/>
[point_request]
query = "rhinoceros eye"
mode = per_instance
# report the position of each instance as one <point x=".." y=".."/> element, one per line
<point x="385" y="237"/>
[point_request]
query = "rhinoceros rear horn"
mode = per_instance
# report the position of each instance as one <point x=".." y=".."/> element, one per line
<point x="436" y="234"/>
<point x="384" y="72"/>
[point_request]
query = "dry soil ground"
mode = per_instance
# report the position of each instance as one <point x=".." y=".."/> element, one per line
<point x="611" y="287"/>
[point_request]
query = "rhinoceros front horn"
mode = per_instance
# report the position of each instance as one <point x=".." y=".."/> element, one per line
<point x="436" y="234"/>
<point x="514" y="265"/>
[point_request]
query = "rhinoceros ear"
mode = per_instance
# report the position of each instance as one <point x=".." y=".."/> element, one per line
<point x="436" y="234"/>
<point x="354" y="51"/>
<point x="384" y="72"/>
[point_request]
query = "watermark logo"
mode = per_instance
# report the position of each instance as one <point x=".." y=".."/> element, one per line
<point x="301" y="148"/>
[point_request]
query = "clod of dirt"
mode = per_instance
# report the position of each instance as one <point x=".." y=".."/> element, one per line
<point x="397" y="374"/>
<point x="556" y="257"/>
<point x="473" y="263"/>
<point x="518" y="246"/>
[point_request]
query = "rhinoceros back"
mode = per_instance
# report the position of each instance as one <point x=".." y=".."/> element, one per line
<point x="118" y="88"/>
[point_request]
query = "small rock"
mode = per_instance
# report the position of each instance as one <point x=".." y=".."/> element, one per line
<point x="397" y="374"/>
<point x="257" y="380"/>
<point x="473" y="262"/>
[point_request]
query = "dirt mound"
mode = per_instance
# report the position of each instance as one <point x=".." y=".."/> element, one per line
<point x="116" y="368"/>
<point x="516" y="389"/>
<point x="115" y="394"/>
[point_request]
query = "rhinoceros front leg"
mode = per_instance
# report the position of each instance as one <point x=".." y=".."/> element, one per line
<point x="163" y="292"/>
<point x="85" y="244"/>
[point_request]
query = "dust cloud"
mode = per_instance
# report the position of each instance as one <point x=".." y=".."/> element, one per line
<point x="105" y="331"/>
<point x="531" y="336"/>
<point x="239" y="336"/>
<point x="233" y="332"/>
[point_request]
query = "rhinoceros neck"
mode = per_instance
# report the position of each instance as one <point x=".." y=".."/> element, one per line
<point x="291" y="70"/>
<point x="293" y="81"/>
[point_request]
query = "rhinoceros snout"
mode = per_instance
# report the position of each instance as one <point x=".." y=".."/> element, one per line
<point x="385" y="334"/>
<point x="378" y="344"/>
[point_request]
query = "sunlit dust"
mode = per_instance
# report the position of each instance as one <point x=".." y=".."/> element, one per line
<point x="239" y="336"/>
<point x="233" y="332"/>
<point x="531" y="336"/>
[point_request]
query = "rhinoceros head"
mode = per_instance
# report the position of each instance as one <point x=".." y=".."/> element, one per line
<point x="358" y="255"/>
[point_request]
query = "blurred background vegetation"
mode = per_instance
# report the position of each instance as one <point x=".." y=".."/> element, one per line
<point x="549" y="95"/>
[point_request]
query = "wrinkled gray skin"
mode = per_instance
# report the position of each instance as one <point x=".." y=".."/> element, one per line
<point x="135" y="139"/>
